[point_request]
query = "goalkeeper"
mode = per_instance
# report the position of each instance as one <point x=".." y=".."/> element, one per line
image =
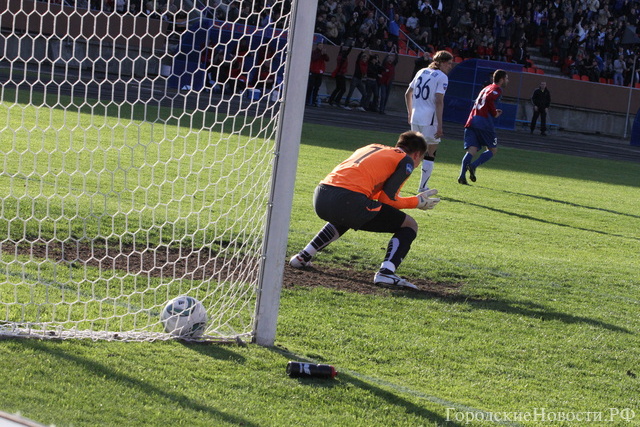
<point x="361" y="193"/>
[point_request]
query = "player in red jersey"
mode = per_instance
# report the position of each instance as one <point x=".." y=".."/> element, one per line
<point x="479" y="130"/>
<point x="361" y="193"/>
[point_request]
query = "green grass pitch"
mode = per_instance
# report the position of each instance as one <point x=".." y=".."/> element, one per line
<point x="543" y="329"/>
<point x="90" y="185"/>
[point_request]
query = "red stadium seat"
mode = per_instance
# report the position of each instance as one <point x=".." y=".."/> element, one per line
<point x="584" y="78"/>
<point x="457" y="59"/>
<point x="637" y="85"/>
<point x="602" y="80"/>
<point x="575" y="77"/>
<point x="610" y="81"/>
<point x="539" y="71"/>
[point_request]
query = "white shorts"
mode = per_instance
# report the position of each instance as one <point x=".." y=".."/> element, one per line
<point x="428" y="131"/>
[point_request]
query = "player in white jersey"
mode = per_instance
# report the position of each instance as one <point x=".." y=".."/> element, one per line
<point x="425" y="103"/>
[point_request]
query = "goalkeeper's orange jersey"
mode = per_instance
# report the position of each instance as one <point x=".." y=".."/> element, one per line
<point x="377" y="171"/>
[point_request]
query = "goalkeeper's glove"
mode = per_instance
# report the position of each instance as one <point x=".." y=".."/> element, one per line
<point x="425" y="202"/>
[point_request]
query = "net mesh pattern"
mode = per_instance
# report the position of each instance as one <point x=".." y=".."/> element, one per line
<point x="137" y="149"/>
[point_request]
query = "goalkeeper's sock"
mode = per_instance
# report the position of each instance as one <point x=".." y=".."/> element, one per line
<point x="306" y="256"/>
<point x="329" y="233"/>
<point x="466" y="161"/>
<point x="398" y="248"/>
<point x="484" y="157"/>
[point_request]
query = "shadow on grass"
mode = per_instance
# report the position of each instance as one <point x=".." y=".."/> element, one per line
<point x="394" y="399"/>
<point x="216" y="350"/>
<point x="563" y="202"/>
<point x="391" y="397"/>
<point x="345" y="279"/>
<point x="533" y="311"/>
<point x="544" y="221"/>
<point x="108" y="374"/>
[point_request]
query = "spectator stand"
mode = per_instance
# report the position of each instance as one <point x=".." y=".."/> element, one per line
<point x="187" y="71"/>
<point x="405" y="44"/>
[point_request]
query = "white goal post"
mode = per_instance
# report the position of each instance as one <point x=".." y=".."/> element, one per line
<point x="147" y="154"/>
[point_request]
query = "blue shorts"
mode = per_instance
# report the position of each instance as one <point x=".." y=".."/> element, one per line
<point x="474" y="137"/>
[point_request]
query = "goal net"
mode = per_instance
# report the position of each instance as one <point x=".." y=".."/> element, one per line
<point x="138" y="150"/>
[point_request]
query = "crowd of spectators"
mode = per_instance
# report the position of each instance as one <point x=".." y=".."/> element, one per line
<point x="581" y="37"/>
<point x="259" y="13"/>
<point x="230" y="66"/>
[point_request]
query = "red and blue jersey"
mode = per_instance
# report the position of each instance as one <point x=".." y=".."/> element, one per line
<point x="484" y="108"/>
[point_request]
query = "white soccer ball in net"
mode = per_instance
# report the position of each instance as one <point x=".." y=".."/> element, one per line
<point x="185" y="317"/>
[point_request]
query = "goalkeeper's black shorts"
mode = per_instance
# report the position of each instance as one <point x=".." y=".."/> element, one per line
<point x="346" y="208"/>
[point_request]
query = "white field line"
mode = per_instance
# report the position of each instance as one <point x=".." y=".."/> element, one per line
<point x="479" y="414"/>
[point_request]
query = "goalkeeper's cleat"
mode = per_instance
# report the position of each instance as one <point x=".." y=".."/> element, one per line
<point x="472" y="173"/>
<point x="462" y="180"/>
<point x="386" y="277"/>
<point x="298" y="260"/>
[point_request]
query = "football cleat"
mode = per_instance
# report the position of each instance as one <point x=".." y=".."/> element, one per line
<point x="472" y="173"/>
<point x="462" y="180"/>
<point x="391" y="279"/>
<point x="297" y="261"/>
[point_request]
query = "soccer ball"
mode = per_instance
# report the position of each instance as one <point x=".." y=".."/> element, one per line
<point x="184" y="317"/>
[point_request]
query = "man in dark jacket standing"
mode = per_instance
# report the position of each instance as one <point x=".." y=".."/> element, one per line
<point x="541" y="99"/>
